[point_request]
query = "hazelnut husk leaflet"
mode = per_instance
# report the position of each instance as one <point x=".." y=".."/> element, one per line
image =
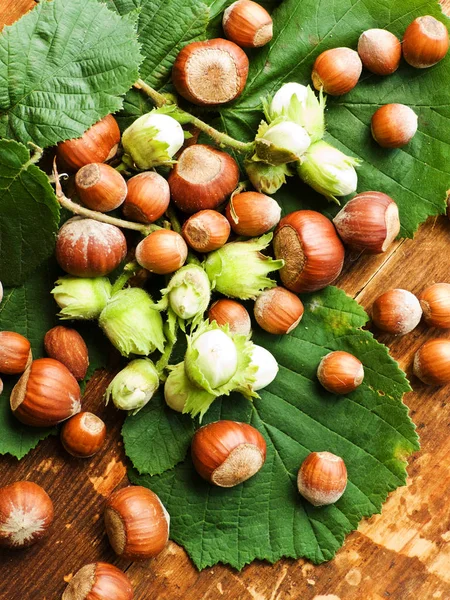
<point x="99" y="581"/>
<point x="148" y="197"/>
<point x="435" y="303"/>
<point x="312" y="252"/>
<point x="239" y="270"/>
<point x="336" y="71"/>
<point x="81" y="297"/>
<point x="137" y="523"/>
<point x="15" y="353"/>
<point x="132" y="323"/>
<point x="100" y="187"/>
<point x="432" y="362"/>
<point x="206" y="231"/>
<point x="210" y="72"/>
<point x="227" y="453"/>
<point x="340" y="372"/>
<point x="322" y="478"/>
<point x="133" y="387"/>
<point x="46" y="394"/>
<point x="394" y="125"/>
<point x="278" y="311"/>
<point x="203" y="178"/>
<point x="182" y="395"/>
<point x="380" y="51"/>
<point x="266" y="178"/>
<point x="89" y="248"/>
<point x="425" y="42"/>
<point x="396" y="312"/>
<point x="247" y="24"/>
<point x="83" y="435"/>
<point x="98" y="144"/>
<point x="368" y="222"/>
<point x="26" y="513"/>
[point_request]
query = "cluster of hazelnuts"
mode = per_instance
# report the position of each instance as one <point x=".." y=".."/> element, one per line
<point x="337" y="71"/>
<point x="399" y="311"/>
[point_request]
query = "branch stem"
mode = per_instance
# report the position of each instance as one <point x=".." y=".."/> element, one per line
<point x="93" y="214"/>
<point x="222" y="139"/>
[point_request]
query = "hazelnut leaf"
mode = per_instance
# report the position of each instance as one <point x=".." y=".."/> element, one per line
<point x="29" y="214"/>
<point x="71" y="62"/>
<point x="370" y="429"/>
<point x="415" y="176"/>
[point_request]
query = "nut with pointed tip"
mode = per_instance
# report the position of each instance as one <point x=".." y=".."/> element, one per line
<point x="211" y="72"/>
<point x="322" y="478"/>
<point x="380" y="51"/>
<point x="15" y="353"/>
<point x="83" y="435"/>
<point x="148" y="197"/>
<point x="46" y="394"/>
<point x="278" y="311"/>
<point x="336" y="71"/>
<point x="231" y="313"/>
<point x="394" y="125"/>
<point x="432" y="362"/>
<point x="252" y="214"/>
<point x="396" y="311"/>
<point x="202" y="178"/>
<point x="137" y="523"/>
<point x="97" y="144"/>
<point x="228" y="453"/>
<point x="206" y="231"/>
<point x="247" y="24"/>
<point x="26" y="513"/>
<point x="100" y="187"/>
<point x="67" y="346"/>
<point x="312" y="252"/>
<point x="340" y="372"/>
<point x="368" y="222"/>
<point x="162" y="252"/>
<point x="88" y="248"/>
<point x="425" y="42"/>
<point x="435" y="303"/>
<point x="99" y="581"/>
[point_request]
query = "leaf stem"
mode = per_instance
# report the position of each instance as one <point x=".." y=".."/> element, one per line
<point x="93" y="214"/>
<point x="174" y="221"/>
<point x="222" y="139"/>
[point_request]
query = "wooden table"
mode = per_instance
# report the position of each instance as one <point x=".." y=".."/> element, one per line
<point x="403" y="554"/>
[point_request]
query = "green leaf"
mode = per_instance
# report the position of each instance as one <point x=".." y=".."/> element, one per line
<point x="29" y="214"/>
<point x="157" y="438"/>
<point x="265" y="517"/>
<point x="30" y="310"/>
<point x="164" y="27"/>
<point x="417" y="175"/>
<point x="64" y="66"/>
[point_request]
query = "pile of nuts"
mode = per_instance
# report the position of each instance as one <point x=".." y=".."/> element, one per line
<point x="204" y="185"/>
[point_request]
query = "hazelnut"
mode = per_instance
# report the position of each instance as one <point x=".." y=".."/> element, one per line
<point x="432" y="362"/>
<point x="247" y="24"/>
<point x="380" y="51"/>
<point x="322" y="478"/>
<point x="137" y="523"/>
<point x="88" y="248"/>
<point x="278" y="310"/>
<point x="148" y="197"/>
<point x="397" y="312"/>
<point x="83" y="435"/>
<point x="100" y="187"/>
<point x="435" y="303"/>
<point x="425" y="42"/>
<point x="231" y="313"/>
<point x="337" y="71"/>
<point x="206" y="231"/>
<point x="228" y="453"/>
<point x="252" y="214"/>
<point x="394" y="125"/>
<point x="210" y="72"/>
<point x="340" y="372"/>
<point x="15" y="353"/>
<point x="162" y="252"/>
<point x="26" y="513"/>
<point x="67" y="346"/>
<point x="99" y="581"/>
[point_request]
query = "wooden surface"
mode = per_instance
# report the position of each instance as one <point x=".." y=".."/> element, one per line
<point x="402" y="554"/>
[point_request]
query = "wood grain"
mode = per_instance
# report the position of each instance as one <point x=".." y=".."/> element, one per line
<point x="402" y="554"/>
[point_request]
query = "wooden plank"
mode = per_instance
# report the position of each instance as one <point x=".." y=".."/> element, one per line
<point x="402" y="554"/>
